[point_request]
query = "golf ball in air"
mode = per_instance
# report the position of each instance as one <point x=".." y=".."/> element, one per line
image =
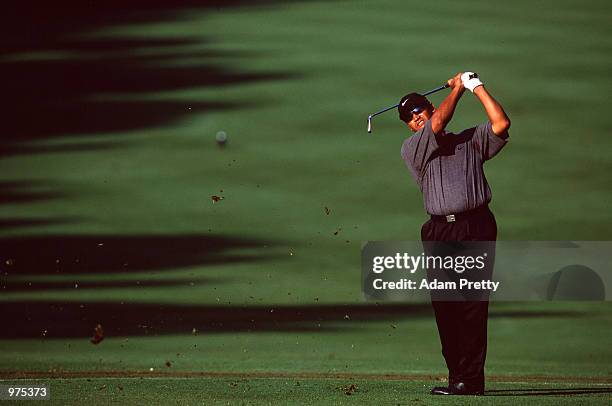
<point x="221" y="138"/>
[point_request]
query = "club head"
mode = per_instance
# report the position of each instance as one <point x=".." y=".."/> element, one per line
<point x="370" y="124"/>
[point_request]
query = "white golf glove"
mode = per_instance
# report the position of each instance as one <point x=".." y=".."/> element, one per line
<point x="470" y="81"/>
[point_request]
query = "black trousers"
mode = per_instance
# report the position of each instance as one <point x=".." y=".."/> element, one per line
<point x="462" y="321"/>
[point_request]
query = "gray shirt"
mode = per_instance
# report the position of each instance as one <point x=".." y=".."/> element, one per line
<point x="449" y="167"/>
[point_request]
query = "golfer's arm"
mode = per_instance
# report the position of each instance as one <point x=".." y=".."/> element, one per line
<point x="500" y="123"/>
<point x="443" y="114"/>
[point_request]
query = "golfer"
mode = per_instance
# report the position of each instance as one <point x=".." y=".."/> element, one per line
<point x="448" y="168"/>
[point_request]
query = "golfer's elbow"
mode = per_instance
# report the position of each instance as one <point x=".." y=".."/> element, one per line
<point x="501" y="126"/>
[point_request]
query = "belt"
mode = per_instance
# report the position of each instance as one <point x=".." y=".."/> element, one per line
<point x="450" y="218"/>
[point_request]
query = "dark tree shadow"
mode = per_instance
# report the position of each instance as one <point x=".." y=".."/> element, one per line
<point x="52" y="319"/>
<point x="90" y="254"/>
<point x="548" y="391"/>
<point x="36" y="286"/>
<point x="27" y="191"/>
<point x="61" y="81"/>
<point x="24" y="259"/>
<point x="74" y="319"/>
<point x="19" y="222"/>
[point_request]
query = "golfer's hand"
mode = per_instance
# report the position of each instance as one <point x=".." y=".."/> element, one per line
<point x="470" y="81"/>
<point x="456" y="83"/>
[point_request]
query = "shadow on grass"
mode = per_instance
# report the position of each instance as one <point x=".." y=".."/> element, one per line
<point x="109" y="254"/>
<point x="25" y="260"/>
<point x="30" y="191"/>
<point x="63" y="79"/>
<point x="74" y="319"/>
<point x="51" y="319"/>
<point x="19" y="222"/>
<point x="36" y="286"/>
<point x="27" y="191"/>
<point x="548" y="391"/>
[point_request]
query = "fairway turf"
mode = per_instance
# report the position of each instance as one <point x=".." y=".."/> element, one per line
<point x="300" y="390"/>
<point x="546" y="340"/>
<point x="119" y="206"/>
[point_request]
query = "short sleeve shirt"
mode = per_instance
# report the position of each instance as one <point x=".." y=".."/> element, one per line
<point x="448" y="167"/>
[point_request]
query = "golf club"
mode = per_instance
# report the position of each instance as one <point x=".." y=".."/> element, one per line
<point x="437" y="89"/>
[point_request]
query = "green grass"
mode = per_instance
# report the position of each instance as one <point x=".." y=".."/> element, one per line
<point x="298" y="147"/>
<point x="298" y="391"/>
<point x="545" y="340"/>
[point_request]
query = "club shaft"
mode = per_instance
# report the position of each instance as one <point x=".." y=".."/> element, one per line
<point x="437" y="89"/>
<point x="383" y="110"/>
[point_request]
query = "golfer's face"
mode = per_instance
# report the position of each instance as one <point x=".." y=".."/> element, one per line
<point x="419" y="119"/>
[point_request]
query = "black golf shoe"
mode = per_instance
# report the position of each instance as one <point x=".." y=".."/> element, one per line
<point x="457" y="388"/>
